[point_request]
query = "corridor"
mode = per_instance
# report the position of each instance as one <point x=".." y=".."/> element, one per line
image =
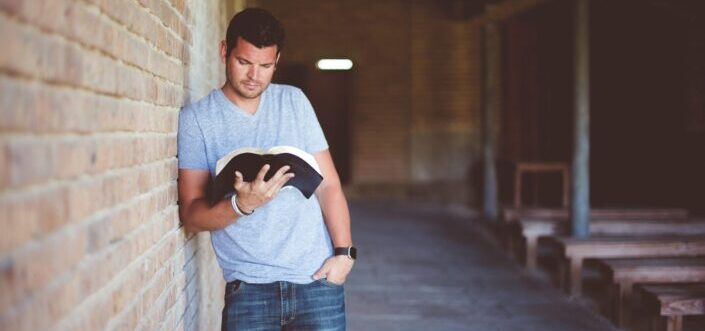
<point x="428" y="267"/>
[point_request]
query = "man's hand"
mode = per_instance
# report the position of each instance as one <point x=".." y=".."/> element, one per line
<point x="335" y="269"/>
<point x="252" y="195"/>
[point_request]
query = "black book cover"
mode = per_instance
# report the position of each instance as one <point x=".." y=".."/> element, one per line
<point x="249" y="161"/>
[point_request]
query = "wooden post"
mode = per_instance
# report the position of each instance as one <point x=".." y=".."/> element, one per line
<point x="492" y="95"/>
<point x="580" y="209"/>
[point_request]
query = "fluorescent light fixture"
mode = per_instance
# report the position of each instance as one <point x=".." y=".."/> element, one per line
<point x="334" y="64"/>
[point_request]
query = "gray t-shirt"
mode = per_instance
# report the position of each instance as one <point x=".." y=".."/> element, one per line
<point x="285" y="239"/>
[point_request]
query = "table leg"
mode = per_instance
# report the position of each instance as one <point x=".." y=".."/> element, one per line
<point x="531" y="251"/>
<point x="674" y="323"/>
<point x="576" y="276"/>
<point x="622" y="304"/>
<point x="517" y="188"/>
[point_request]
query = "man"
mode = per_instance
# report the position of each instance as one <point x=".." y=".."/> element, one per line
<point x="276" y="248"/>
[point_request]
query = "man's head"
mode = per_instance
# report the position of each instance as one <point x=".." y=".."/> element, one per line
<point x="250" y="52"/>
<point x="258" y="27"/>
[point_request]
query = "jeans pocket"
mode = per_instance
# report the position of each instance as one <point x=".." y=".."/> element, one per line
<point x="328" y="283"/>
<point x="232" y="288"/>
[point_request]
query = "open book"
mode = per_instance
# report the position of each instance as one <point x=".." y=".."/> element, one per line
<point x="249" y="161"/>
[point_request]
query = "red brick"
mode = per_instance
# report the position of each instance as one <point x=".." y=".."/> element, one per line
<point x="36" y="160"/>
<point x="35" y="214"/>
<point x="63" y="62"/>
<point x="35" y="267"/>
<point x="120" y="286"/>
<point x="93" y="88"/>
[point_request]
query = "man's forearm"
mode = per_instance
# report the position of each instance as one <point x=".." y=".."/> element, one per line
<point x="199" y="215"/>
<point x="336" y="215"/>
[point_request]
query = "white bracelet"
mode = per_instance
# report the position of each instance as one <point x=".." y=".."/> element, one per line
<point x="236" y="208"/>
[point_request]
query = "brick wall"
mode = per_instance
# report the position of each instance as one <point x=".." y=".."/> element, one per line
<point x="89" y="98"/>
<point x="416" y="89"/>
<point x="446" y="126"/>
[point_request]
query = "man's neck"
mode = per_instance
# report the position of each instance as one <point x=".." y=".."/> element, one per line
<point x="247" y="105"/>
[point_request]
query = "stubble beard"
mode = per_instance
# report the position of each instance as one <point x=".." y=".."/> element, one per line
<point x="249" y="93"/>
<point x="240" y="89"/>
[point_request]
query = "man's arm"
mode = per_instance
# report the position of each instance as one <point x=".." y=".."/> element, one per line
<point x="332" y="200"/>
<point x="337" y="217"/>
<point x="194" y="210"/>
<point x="198" y="215"/>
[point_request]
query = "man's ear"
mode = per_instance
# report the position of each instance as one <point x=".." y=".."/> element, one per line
<point x="223" y="52"/>
<point x="276" y="62"/>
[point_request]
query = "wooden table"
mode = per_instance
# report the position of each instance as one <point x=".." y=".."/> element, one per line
<point x="624" y="273"/>
<point x="532" y="229"/>
<point x="511" y="214"/>
<point x="576" y="251"/>
<point x="673" y="301"/>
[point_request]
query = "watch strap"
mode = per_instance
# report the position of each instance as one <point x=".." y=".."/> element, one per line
<point x="350" y="252"/>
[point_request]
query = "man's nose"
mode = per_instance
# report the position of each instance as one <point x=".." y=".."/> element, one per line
<point x="253" y="72"/>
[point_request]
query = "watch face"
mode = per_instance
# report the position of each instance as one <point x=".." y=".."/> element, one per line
<point x="353" y="253"/>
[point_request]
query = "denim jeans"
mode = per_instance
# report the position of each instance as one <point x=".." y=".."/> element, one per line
<point x="318" y="306"/>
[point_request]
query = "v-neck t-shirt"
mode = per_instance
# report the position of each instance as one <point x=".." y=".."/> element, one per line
<point x="285" y="239"/>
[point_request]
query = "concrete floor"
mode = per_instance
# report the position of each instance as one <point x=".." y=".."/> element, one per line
<point x="426" y="267"/>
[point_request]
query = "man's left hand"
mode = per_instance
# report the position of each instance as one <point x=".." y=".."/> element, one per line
<point x="335" y="269"/>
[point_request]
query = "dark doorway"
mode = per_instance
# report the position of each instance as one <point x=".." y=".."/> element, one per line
<point x="329" y="93"/>
<point x="537" y="116"/>
<point x="642" y="150"/>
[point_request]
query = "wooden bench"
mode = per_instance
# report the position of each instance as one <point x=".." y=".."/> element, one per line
<point x="530" y="230"/>
<point x="509" y="217"/>
<point x="510" y="214"/>
<point x="624" y="273"/>
<point x="673" y="301"/>
<point x="575" y="251"/>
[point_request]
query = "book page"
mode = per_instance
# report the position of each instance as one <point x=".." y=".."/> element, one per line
<point x="295" y="151"/>
<point x="223" y="161"/>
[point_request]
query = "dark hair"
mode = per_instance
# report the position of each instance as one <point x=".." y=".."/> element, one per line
<point x="256" y="25"/>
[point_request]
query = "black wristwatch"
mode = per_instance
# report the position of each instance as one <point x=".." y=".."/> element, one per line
<point x="350" y="252"/>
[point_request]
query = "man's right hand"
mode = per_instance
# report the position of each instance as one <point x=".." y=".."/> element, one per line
<point x="252" y="195"/>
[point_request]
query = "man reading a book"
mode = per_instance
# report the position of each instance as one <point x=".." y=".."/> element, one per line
<point x="284" y="257"/>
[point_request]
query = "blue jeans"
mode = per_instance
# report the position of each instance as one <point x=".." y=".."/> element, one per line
<point x="318" y="306"/>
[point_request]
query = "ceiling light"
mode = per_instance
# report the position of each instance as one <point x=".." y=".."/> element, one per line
<point x="334" y="64"/>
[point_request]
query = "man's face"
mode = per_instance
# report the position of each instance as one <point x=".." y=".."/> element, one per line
<point x="249" y="69"/>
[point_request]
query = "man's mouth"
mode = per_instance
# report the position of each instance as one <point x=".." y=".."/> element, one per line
<point x="250" y="84"/>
